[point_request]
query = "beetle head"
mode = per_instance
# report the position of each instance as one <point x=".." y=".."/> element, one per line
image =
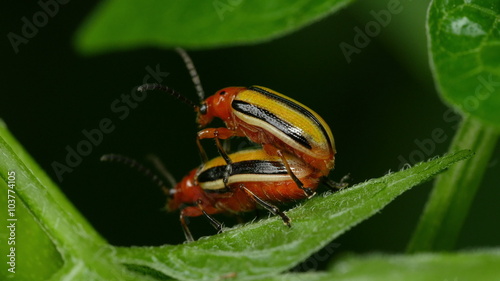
<point x="217" y="105"/>
<point x="186" y="192"/>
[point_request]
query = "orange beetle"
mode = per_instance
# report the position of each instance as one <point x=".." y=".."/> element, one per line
<point x="264" y="116"/>
<point x="256" y="179"/>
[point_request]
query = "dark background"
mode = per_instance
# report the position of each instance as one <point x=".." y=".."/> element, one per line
<point x="378" y="107"/>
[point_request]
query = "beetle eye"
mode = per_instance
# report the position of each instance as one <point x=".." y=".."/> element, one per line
<point x="203" y="109"/>
<point x="222" y="93"/>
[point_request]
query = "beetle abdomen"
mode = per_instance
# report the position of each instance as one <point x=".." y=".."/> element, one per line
<point x="295" y="124"/>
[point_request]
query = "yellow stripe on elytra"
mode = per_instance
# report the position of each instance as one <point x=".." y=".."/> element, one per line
<point x="310" y="129"/>
<point x="297" y="166"/>
<point x="218" y="184"/>
<point x="243" y="155"/>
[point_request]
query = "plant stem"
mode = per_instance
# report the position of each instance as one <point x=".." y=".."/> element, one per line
<point x="454" y="190"/>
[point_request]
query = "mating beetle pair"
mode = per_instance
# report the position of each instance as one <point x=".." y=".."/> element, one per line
<point x="266" y="117"/>
<point x="298" y="151"/>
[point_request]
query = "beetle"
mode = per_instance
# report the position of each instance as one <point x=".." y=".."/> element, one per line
<point x="279" y="123"/>
<point x="256" y="178"/>
<point x="272" y="119"/>
<point x="266" y="117"/>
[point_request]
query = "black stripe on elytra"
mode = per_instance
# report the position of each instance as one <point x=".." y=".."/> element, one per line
<point x="295" y="106"/>
<point x="252" y="167"/>
<point x="266" y="116"/>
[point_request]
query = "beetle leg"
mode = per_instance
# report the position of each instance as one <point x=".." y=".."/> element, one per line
<point x="270" y="207"/>
<point x="309" y="192"/>
<point x="221" y="133"/>
<point x="336" y="186"/>
<point x="185" y="228"/>
<point x="201" y="150"/>
<point x="229" y="162"/>
<point x="212" y="133"/>
<point x="344" y="179"/>
<point x="215" y="223"/>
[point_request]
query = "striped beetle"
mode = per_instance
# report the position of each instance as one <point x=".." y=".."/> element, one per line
<point x="272" y="119"/>
<point x="264" y="116"/>
<point x="256" y="178"/>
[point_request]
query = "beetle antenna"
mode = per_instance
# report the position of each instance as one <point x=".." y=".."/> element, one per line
<point x="134" y="164"/>
<point x="172" y="92"/>
<point x="192" y="71"/>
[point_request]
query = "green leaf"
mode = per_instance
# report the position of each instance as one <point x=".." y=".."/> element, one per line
<point x="44" y="213"/>
<point x="476" y="265"/>
<point x="125" y="24"/>
<point x="267" y="247"/>
<point x="26" y="237"/>
<point x="464" y="38"/>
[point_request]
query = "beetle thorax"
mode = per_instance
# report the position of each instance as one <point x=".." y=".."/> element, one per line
<point x="219" y="105"/>
<point x="186" y="192"/>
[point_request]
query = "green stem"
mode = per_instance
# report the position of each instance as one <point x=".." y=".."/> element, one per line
<point x="454" y="190"/>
